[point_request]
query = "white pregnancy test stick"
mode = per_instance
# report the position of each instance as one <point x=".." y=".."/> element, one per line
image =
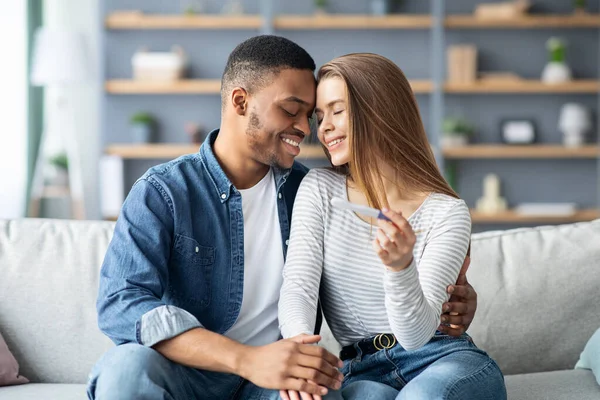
<point x="364" y="210"/>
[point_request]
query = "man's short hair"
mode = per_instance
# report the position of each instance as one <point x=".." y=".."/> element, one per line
<point x="256" y="61"/>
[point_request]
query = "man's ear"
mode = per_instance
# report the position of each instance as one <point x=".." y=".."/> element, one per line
<point x="239" y="100"/>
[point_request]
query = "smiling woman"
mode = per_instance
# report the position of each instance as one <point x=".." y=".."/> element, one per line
<point x="13" y="100"/>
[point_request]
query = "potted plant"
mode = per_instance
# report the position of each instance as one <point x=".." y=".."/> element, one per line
<point x="320" y="7"/>
<point x="195" y="132"/>
<point x="557" y="70"/>
<point x="142" y="127"/>
<point x="58" y="173"/>
<point x="192" y="7"/>
<point x="580" y="6"/>
<point x="456" y="132"/>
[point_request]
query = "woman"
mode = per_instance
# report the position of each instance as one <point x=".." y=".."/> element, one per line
<point x="382" y="283"/>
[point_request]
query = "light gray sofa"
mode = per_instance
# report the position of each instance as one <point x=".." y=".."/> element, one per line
<point x="538" y="305"/>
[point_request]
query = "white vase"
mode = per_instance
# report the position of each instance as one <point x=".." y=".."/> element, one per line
<point x="451" y="140"/>
<point x="320" y="11"/>
<point x="57" y="176"/>
<point x="556" y="72"/>
<point x="380" y="7"/>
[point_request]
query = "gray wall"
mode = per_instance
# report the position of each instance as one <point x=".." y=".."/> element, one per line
<point x="520" y="51"/>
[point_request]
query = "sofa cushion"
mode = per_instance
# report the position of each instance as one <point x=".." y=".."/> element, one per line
<point x="590" y="357"/>
<point x="555" y="385"/>
<point x="537" y="295"/>
<point x="43" y="391"/>
<point x="9" y="367"/>
<point x="48" y="286"/>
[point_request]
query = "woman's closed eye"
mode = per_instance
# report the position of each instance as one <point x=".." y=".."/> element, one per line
<point x="319" y="120"/>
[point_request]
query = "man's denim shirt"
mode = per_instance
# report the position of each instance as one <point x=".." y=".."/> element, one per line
<point x="176" y="260"/>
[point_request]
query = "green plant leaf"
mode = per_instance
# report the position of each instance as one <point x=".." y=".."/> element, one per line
<point x="142" y="118"/>
<point x="60" y="161"/>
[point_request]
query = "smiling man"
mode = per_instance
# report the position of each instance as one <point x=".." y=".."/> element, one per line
<point x="190" y="283"/>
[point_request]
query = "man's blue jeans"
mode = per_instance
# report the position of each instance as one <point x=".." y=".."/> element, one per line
<point x="133" y="371"/>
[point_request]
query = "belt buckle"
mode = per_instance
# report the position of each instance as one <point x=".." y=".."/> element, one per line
<point x="390" y="341"/>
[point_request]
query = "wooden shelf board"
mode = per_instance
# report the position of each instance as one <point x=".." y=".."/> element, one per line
<point x="528" y="21"/>
<point x="169" y="151"/>
<point x="138" y="20"/>
<point x="199" y="86"/>
<point x="478" y="151"/>
<point x="146" y="151"/>
<point x="523" y="86"/>
<point x="53" y="191"/>
<point x="421" y="86"/>
<point x="510" y="217"/>
<point x="348" y="21"/>
<point x="312" y="151"/>
<point x="185" y="86"/>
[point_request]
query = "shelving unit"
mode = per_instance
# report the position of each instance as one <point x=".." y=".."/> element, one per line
<point x="541" y="151"/>
<point x="437" y="24"/>
<point x="170" y="151"/>
<point x="527" y="22"/>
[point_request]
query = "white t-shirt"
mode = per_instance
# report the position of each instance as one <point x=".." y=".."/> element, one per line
<point x="257" y="322"/>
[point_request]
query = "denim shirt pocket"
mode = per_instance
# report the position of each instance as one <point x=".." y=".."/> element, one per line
<point x="192" y="271"/>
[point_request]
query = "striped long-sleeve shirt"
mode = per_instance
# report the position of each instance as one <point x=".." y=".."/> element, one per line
<point x="330" y="255"/>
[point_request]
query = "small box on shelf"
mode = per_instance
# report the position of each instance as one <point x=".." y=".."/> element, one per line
<point x="462" y="63"/>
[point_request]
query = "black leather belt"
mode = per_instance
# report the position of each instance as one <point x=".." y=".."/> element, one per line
<point x="369" y="346"/>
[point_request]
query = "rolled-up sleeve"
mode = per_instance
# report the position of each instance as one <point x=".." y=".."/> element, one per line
<point x="134" y="274"/>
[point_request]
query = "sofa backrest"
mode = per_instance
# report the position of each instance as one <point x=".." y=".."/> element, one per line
<point x="539" y="295"/>
<point x="48" y="286"/>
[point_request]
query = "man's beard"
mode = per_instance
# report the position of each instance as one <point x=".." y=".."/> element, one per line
<point x="259" y="142"/>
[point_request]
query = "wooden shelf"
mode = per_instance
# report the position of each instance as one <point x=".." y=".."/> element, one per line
<point x="170" y="151"/>
<point x="421" y="86"/>
<point x="526" y="22"/>
<point x="312" y="151"/>
<point x="341" y="21"/>
<point x="55" y="191"/>
<point x="512" y="217"/>
<point x="523" y="86"/>
<point x="533" y="151"/>
<point x="186" y="86"/>
<point x="147" y="151"/>
<point x="138" y="20"/>
<point x="199" y="86"/>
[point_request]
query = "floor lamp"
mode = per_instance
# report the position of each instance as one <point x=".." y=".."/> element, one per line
<point x="59" y="61"/>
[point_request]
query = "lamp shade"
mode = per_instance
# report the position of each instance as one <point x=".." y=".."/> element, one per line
<point x="574" y="117"/>
<point x="59" y="58"/>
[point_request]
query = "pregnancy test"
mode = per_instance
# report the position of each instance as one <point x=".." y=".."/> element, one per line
<point x="364" y="210"/>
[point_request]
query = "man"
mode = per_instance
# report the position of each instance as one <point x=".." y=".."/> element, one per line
<point x="190" y="283"/>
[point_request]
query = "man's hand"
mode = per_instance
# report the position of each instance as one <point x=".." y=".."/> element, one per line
<point x="459" y="311"/>
<point x="292" y="364"/>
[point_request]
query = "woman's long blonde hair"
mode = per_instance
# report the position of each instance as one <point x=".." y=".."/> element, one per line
<point x="384" y="125"/>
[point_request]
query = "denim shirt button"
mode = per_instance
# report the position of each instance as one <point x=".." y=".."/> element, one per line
<point x="287" y="242"/>
<point x="223" y="196"/>
<point x="280" y="195"/>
